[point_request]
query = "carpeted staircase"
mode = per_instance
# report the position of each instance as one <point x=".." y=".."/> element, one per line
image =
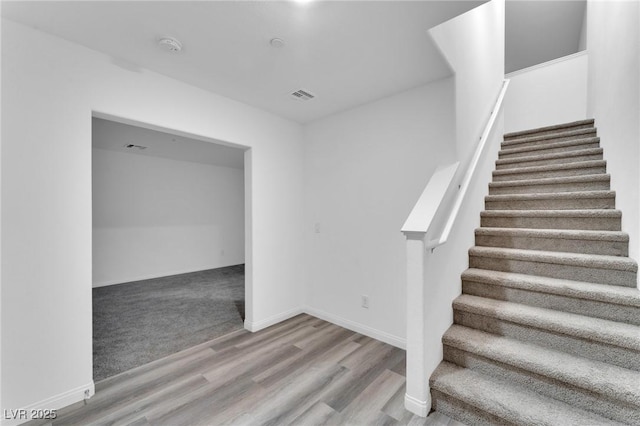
<point x="547" y="330"/>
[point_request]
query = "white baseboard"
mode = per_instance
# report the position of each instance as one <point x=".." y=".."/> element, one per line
<point x="55" y="402"/>
<point x="254" y="326"/>
<point x="420" y="408"/>
<point x="396" y="341"/>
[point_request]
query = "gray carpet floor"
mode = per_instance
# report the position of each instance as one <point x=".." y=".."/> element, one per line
<point x="138" y="322"/>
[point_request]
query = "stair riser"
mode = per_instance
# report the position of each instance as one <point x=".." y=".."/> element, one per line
<point x="550" y="174"/>
<point x="548" y="386"/>
<point x="552" y="204"/>
<point x="556" y="270"/>
<point x="585" y="223"/>
<point x="611" y="248"/>
<point x="622" y="357"/>
<point x="507" y="153"/>
<point x="550" y="132"/>
<point x="603" y="185"/>
<point x="592" y="308"/>
<point x="502" y="164"/>
<point x="519" y="143"/>
<point x="463" y="412"/>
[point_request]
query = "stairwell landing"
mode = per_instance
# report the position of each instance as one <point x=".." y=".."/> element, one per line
<point x="547" y="329"/>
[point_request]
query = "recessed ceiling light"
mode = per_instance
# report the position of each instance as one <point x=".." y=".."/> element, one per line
<point x="277" y="42"/>
<point x="170" y="44"/>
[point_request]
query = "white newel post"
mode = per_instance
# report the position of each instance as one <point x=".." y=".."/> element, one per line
<point x="417" y="397"/>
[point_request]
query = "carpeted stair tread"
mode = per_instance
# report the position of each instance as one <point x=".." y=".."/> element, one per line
<point x="595" y="268"/>
<point x="588" y="182"/>
<point x="553" y="181"/>
<point x="615" y="295"/>
<point x="612" y="243"/>
<point x="594" y="219"/>
<point x="567" y="156"/>
<point x="552" y="200"/>
<point x="512" y="403"/>
<point x="618" y="263"/>
<point x="557" y="170"/>
<point x="549" y="137"/>
<point x="562" y="146"/>
<point x="604" y="379"/>
<point x="604" y="331"/>
<point x="577" y="234"/>
<point x="578" y="194"/>
<point x="556" y="128"/>
<point x="578" y="213"/>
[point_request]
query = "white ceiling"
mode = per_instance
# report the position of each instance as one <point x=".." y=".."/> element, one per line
<point x="114" y="136"/>
<point x="346" y="52"/>
<point x="539" y="31"/>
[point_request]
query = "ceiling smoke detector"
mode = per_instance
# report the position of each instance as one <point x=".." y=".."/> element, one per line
<point x="170" y="44"/>
<point x="277" y="43"/>
<point x="302" y="94"/>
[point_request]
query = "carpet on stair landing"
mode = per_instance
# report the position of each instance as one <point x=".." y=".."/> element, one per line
<point x="138" y="322"/>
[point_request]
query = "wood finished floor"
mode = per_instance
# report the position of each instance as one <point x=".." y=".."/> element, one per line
<point x="303" y="371"/>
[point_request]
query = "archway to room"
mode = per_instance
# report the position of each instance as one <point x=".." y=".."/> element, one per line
<point x="168" y="242"/>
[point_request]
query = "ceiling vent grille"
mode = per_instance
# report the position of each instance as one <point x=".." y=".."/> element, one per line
<point x="303" y="95"/>
<point x="131" y="146"/>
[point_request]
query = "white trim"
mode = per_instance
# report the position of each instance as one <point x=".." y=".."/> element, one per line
<point x="546" y="64"/>
<point x="254" y="326"/>
<point x="392" y="340"/>
<point x="160" y="275"/>
<point x="421" y="408"/>
<point x="396" y="341"/>
<point x="56" y="402"/>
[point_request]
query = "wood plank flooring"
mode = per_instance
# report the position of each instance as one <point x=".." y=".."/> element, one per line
<point x="303" y="371"/>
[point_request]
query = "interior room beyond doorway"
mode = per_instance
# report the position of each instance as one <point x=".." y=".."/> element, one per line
<point x="168" y="244"/>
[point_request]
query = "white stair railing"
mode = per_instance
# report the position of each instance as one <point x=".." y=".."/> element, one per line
<point x="428" y="226"/>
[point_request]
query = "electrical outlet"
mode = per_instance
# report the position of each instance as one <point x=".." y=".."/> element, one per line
<point x="365" y="301"/>
<point x="221" y="253"/>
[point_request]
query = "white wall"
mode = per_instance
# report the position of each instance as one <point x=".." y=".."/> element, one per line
<point x="613" y="40"/>
<point x="1" y="134"/>
<point x="365" y="168"/>
<point x="473" y="44"/>
<point x="445" y="265"/>
<point x="155" y="217"/>
<point x="49" y="89"/>
<point x="550" y="93"/>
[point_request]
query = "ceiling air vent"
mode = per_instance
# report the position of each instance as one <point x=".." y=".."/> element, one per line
<point x="303" y="95"/>
<point x="131" y="146"/>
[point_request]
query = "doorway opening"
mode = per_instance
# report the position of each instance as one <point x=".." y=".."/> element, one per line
<point x="168" y="243"/>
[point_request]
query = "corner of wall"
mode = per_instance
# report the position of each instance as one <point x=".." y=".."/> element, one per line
<point x="613" y="36"/>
